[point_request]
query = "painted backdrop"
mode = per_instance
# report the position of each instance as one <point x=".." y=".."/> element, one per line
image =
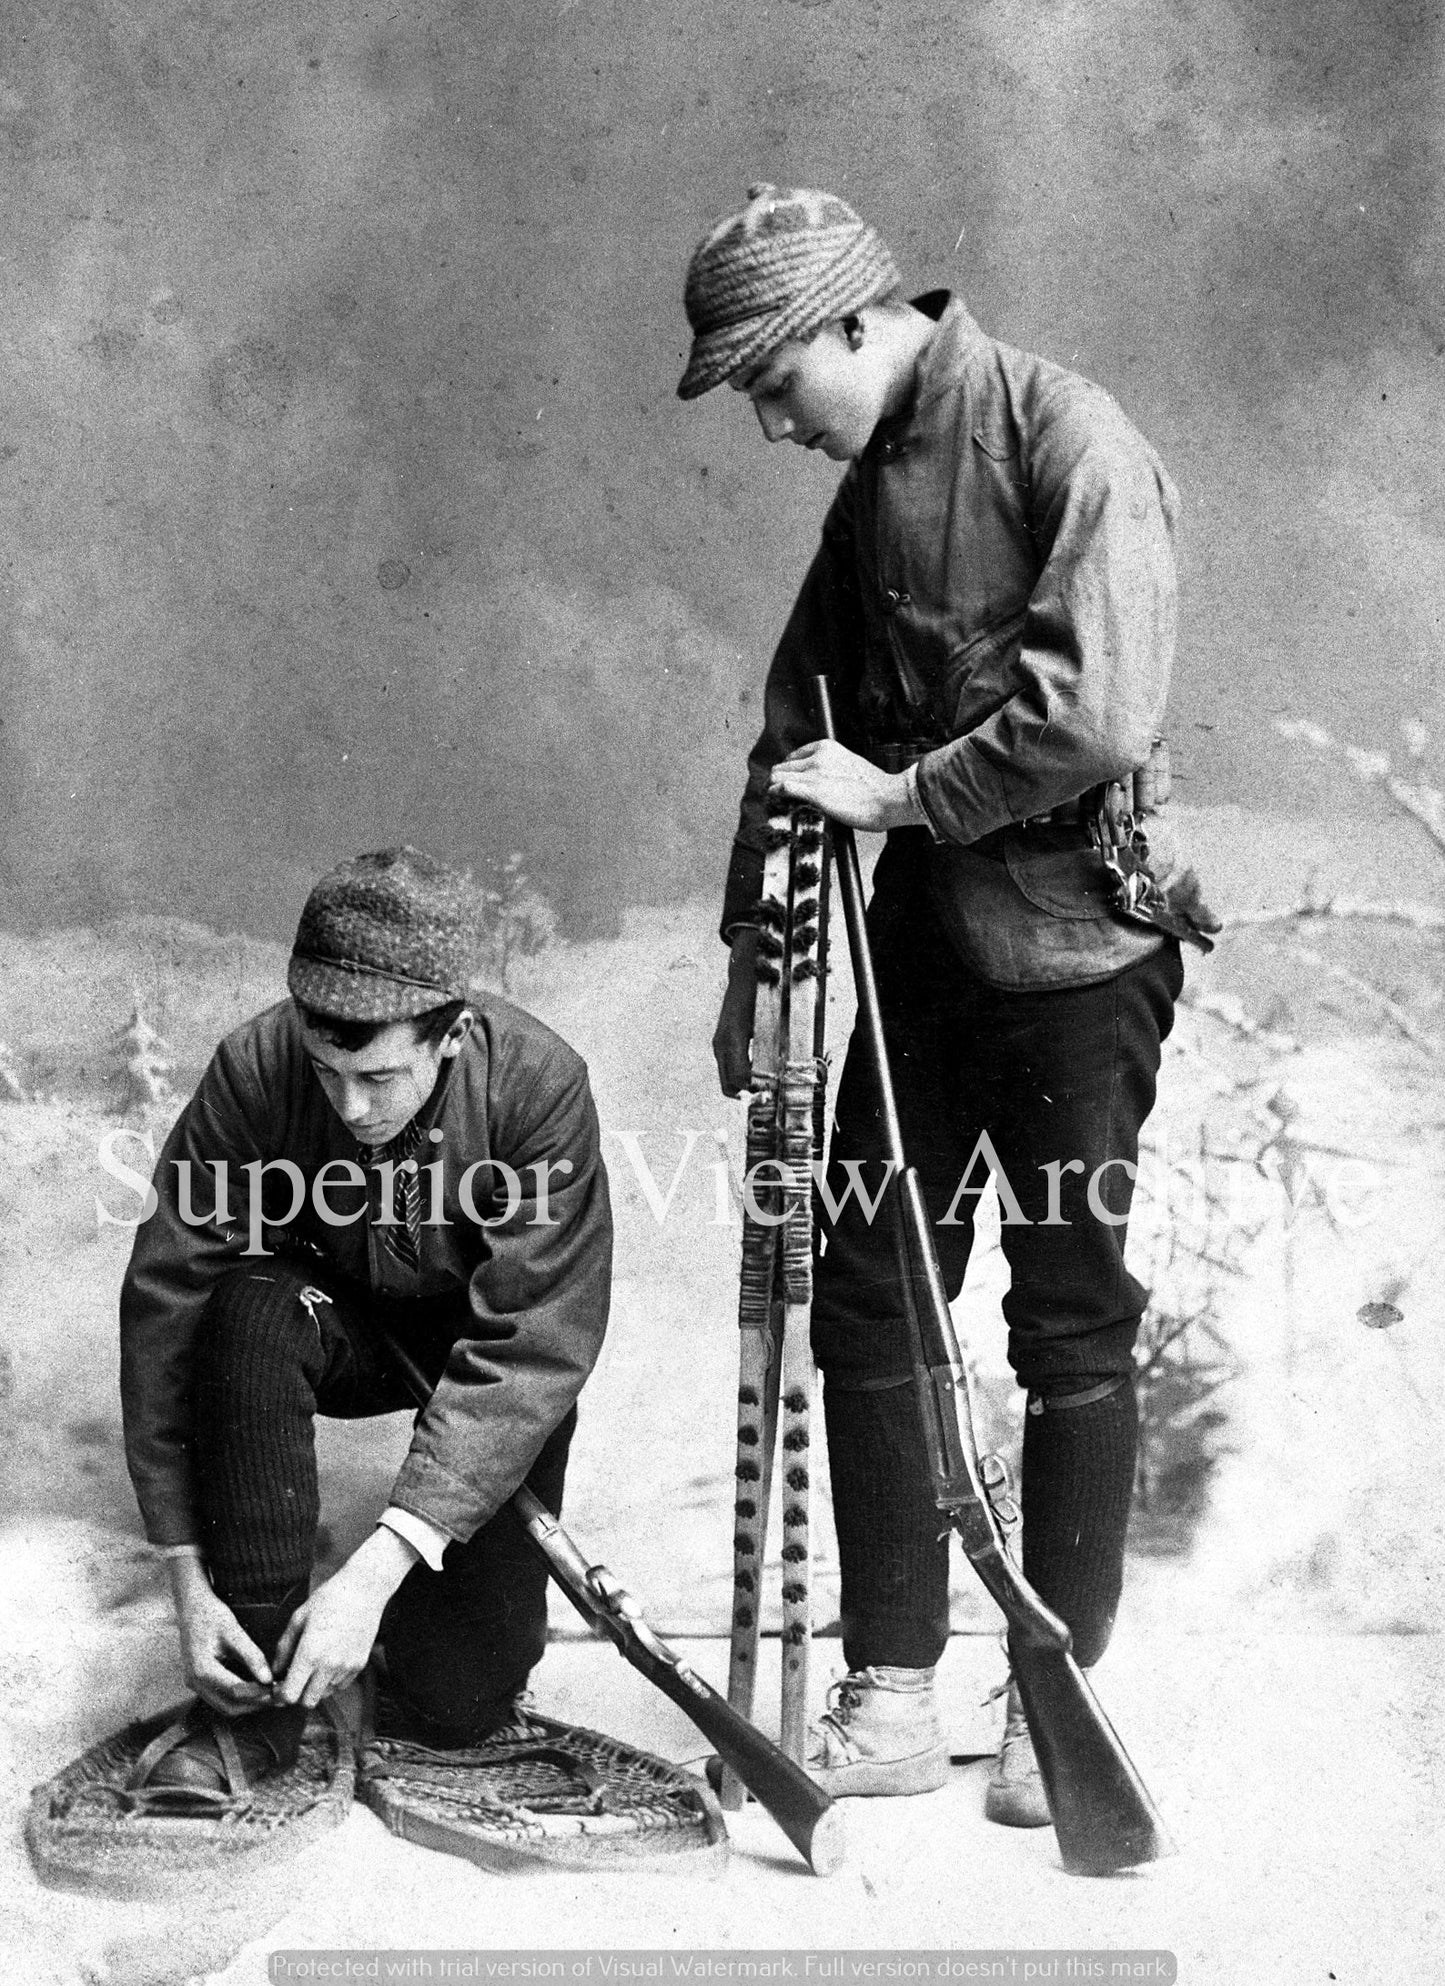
<point x="346" y="498"/>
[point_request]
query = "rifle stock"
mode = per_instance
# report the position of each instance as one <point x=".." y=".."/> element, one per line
<point x="802" y="1810"/>
<point x="1102" y="1813"/>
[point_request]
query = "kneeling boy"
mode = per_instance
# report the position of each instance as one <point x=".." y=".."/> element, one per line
<point x="427" y="1164"/>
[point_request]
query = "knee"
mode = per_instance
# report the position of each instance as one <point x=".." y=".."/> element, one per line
<point x="1057" y="1364"/>
<point x="255" y="1332"/>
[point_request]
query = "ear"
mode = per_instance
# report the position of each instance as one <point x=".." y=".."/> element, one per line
<point x="456" y="1034"/>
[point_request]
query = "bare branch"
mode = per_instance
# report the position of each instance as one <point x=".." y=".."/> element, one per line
<point x="1425" y="804"/>
<point x="1419" y="916"/>
<point x="12" y="1085"/>
<point x="1383" y="1001"/>
<point x="1230" y="1013"/>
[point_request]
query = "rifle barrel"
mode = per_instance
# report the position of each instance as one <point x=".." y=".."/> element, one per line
<point x="850" y="887"/>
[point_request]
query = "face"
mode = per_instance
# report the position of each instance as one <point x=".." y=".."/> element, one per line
<point x="377" y="1090"/>
<point x="820" y="394"/>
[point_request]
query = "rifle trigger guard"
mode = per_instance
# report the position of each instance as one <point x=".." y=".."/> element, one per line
<point x="614" y="1599"/>
<point x="998" y="1487"/>
<point x="610" y="1591"/>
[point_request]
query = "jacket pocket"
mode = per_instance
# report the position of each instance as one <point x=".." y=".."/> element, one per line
<point x="1056" y="933"/>
<point x="1069" y="882"/>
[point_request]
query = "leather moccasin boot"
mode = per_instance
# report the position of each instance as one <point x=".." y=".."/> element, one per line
<point x="227" y="1756"/>
<point x="1015" y="1795"/>
<point x="880" y="1735"/>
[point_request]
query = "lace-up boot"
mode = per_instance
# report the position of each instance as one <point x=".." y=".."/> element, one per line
<point x="1015" y="1794"/>
<point x="216" y="1750"/>
<point x="879" y="1735"/>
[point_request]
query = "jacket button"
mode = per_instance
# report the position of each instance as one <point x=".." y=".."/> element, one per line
<point x="895" y="600"/>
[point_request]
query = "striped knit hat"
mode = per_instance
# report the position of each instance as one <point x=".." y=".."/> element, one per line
<point x="789" y="263"/>
<point x="385" y="937"/>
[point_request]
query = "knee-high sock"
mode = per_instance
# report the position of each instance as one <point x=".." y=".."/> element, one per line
<point x="259" y="1361"/>
<point x="1078" y="1481"/>
<point x="894" y="1562"/>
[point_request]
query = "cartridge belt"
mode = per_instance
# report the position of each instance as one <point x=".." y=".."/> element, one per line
<point x="1069" y="813"/>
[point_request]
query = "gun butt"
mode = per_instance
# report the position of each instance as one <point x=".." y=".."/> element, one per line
<point x="811" y="1821"/>
<point x="1102" y="1813"/>
<point x="799" y="1806"/>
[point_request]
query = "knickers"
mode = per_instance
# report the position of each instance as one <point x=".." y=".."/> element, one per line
<point x="1060" y="1080"/>
<point x="459" y="1643"/>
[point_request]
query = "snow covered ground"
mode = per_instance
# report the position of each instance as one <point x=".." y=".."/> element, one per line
<point x="1277" y="1666"/>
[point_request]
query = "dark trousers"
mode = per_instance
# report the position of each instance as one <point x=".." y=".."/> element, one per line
<point x="1054" y="1077"/>
<point x="458" y="1643"/>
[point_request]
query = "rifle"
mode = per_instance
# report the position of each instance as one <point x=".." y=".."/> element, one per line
<point x="775" y="1360"/>
<point x="1102" y="1813"/>
<point x="801" y="1809"/>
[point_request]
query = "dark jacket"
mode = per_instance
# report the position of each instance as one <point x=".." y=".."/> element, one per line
<point x="532" y="1295"/>
<point x="995" y="592"/>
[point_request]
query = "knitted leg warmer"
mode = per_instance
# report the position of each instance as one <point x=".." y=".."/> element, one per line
<point x="1078" y="1481"/>
<point x="893" y="1560"/>
<point x="259" y="1359"/>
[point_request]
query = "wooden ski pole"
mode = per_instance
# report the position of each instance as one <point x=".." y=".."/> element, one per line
<point x="801" y="1077"/>
<point x="759" y="1316"/>
<point x="774" y="1308"/>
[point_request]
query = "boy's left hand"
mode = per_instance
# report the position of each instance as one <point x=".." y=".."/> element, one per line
<point x="329" y="1639"/>
<point x="845" y="787"/>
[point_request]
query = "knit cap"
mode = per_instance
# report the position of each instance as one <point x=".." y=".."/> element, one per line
<point x="792" y="261"/>
<point x="384" y="937"/>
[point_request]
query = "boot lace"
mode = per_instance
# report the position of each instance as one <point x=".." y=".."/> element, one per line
<point x="1016" y="1723"/>
<point x="844" y="1697"/>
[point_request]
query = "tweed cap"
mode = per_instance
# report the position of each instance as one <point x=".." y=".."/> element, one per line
<point x="792" y="261"/>
<point x="384" y="937"/>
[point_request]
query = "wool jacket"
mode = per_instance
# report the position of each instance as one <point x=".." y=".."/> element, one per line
<point x="994" y="597"/>
<point x="527" y="1270"/>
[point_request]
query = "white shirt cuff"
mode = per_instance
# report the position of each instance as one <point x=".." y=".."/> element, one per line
<point x="424" y="1538"/>
<point x="179" y="1551"/>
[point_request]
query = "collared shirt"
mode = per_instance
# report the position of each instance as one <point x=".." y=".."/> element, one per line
<point x="994" y="596"/>
<point x="523" y="1250"/>
<point x="399" y="1155"/>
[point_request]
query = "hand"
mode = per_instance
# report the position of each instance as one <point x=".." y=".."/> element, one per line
<point x="214" y="1645"/>
<point x="845" y="787"/>
<point x="329" y="1638"/>
<point x="733" y="1036"/>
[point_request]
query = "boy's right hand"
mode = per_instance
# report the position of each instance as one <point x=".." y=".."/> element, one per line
<point x="223" y="1665"/>
<point x="733" y="1036"/>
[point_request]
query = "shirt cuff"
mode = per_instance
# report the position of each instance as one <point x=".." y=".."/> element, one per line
<point x="424" y="1538"/>
<point x="179" y="1551"/>
<point x="915" y="800"/>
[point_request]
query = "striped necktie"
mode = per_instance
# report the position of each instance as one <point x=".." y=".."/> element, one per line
<point x="403" y="1236"/>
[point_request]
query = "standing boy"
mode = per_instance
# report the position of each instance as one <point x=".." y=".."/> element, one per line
<point x="994" y="601"/>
